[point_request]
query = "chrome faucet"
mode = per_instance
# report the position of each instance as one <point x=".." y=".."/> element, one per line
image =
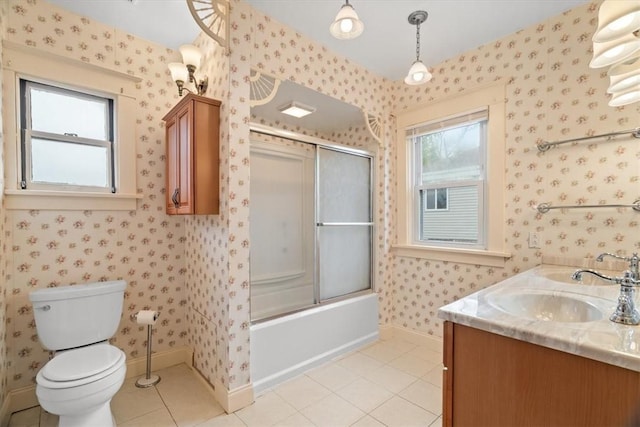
<point x="626" y="312"/>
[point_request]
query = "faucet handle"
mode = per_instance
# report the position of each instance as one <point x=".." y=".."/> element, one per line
<point x="600" y="257"/>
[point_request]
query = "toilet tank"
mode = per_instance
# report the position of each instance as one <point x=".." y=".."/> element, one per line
<point x="77" y="315"/>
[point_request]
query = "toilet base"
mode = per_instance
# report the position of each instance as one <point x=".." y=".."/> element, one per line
<point x="100" y="416"/>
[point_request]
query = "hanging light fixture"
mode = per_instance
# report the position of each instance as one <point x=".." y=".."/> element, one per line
<point x="347" y="25"/>
<point x="418" y="73"/>
<point x="181" y="72"/>
<point x="617" y="18"/>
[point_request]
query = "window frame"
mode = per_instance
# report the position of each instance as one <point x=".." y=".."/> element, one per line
<point x="481" y="183"/>
<point x="28" y="134"/>
<point x="28" y="63"/>
<point x="491" y="97"/>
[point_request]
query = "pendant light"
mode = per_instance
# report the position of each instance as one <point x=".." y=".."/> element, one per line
<point x="347" y="25"/>
<point x="418" y="73"/>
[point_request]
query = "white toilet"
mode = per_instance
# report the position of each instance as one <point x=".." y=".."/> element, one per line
<point x="86" y="371"/>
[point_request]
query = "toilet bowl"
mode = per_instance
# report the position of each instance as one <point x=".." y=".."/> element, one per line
<point x="79" y="384"/>
<point x="86" y="371"/>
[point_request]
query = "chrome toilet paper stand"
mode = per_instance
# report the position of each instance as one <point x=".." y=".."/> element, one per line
<point x="149" y="380"/>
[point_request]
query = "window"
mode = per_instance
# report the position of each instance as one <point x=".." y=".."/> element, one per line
<point x="448" y="179"/>
<point x="434" y="199"/>
<point x="70" y="133"/>
<point x="67" y="139"/>
<point x="450" y="186"/>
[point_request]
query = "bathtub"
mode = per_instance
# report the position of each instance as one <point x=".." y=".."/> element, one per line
<point x="285" y="347"/>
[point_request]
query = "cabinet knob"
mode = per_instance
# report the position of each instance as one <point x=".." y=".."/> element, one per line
<point x="175" y="198"/>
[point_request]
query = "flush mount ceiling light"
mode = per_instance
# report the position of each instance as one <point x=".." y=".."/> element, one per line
<point x="181" y="72"/>
<point x="617" y="18"/>
<point x="347" y="25"/>
<point x="296" y="109"/>
<point x="418" y="73"/>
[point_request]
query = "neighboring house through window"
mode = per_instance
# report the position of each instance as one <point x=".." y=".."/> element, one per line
<point x="450" y="164"/>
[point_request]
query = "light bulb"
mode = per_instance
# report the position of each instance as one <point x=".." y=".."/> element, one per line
<point x="346" y="25"/>
<point x="417" y="76"/>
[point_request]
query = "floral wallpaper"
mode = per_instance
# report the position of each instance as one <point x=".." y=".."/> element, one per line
<point x="195" y="270"/>
<point x="552" y="94"/>
<point x="145" y="247"/>
<point x="3" y="240"/>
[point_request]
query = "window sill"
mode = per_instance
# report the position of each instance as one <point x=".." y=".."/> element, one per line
<point x="463" y="256"/>
<point x="62" y="200"/>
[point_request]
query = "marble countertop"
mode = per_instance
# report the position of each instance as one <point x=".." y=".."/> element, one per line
<point x="601" y="340"/>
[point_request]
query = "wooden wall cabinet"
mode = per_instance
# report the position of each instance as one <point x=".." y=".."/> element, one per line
<point x="193" y="156"/>
<point x="492" y="380"/>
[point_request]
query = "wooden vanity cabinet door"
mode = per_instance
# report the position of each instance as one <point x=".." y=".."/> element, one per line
<point x="505" y="382"/>
<point x="192" y="135"/>
<point x="447" y="376"/>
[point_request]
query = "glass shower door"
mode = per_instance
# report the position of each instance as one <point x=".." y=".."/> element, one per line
<point x="344" y="229"/>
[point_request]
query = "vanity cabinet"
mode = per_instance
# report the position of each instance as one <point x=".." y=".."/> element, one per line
<point x="492" y="380"/>
<point x="193" y="154"/>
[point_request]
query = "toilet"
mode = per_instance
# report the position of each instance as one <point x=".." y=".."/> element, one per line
<point x="86" y="371"/>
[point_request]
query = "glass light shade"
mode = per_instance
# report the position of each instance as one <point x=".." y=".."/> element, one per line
<point x="191" y="55"/>
<point x="179" y="72"/>
<point x="617" y="18"/>
<point x="625" y="98"/>
<point x="418" y="74"/>
<point x="624" y="76"/>
<point x="347" y="25"/>
<point x="608" y="53"/>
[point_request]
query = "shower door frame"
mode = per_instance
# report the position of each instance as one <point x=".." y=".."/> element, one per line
<point x="322" y="143"/>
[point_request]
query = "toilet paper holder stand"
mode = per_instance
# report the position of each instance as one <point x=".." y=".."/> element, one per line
<point x="148" y="380"/>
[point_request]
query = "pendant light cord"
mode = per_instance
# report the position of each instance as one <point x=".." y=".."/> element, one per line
<point x="418" y="42"/>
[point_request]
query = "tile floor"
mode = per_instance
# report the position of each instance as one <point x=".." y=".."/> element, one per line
<point x="389" y="383"/>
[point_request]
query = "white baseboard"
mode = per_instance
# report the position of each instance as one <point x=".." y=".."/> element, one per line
<point x="25" y="397"/>
<point x="233" y="400"/>
<point x="393" y="331"/>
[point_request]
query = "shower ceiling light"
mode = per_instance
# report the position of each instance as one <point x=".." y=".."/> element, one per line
<point x="296" y="109"/>
<point x="347" y="25"/>
<point x="418" y="73"/>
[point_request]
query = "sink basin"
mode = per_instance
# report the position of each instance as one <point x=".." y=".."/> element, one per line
<point x="546" y="306"/>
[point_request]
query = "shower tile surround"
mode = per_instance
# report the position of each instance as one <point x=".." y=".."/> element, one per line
<point x="195" y="269"/>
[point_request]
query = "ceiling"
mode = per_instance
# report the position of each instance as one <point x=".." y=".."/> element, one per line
<point x="387" y="46"/>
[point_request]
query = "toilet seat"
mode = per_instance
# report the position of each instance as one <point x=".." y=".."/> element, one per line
<point x="77" y="367"/>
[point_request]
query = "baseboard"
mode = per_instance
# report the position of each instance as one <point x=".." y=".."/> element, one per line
<point x="233" y="400"/>
<point x="393" y="331"/>
<point x="164" y="359"/>
<point x="25" y="397"/>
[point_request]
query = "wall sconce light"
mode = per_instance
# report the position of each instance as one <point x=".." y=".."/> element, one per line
<point x="616" y="44"/>
<point x="418" y="73"/>
<point x="181" y="72"/>
<point x="616" y="19"/>
<point x="296" y="109"/>
<point x="347" y="25"/>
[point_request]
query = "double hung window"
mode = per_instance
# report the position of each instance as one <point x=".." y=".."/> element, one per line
<point x="450" y="187"/>
<point x="449" y="180"/>
<point x="67" y="139"/>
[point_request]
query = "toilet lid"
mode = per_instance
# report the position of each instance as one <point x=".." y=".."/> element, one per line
<point x="81" y="363"/>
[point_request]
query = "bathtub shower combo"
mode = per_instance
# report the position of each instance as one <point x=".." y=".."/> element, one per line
<point x="311" y="255"/>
